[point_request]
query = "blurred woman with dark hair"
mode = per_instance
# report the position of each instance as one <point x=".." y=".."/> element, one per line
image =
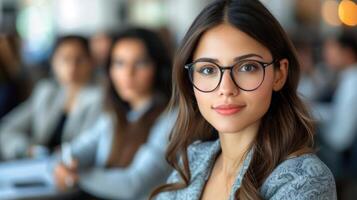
<point x="58" y="109"/>
<point x="125" y="150"/>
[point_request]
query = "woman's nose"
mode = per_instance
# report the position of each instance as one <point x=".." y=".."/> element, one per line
<point x="227" y="86"/>
<point x="130" y="70"/>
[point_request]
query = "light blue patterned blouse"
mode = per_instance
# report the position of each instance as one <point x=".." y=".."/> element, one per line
<point x="304" y="177"/>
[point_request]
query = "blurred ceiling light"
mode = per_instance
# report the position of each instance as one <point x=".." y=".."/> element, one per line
<point x="347" y="11"/>
<point x="329" y="12"/>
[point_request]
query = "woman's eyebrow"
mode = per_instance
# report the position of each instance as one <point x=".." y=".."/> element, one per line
<point x="242" y="57"/>
<point x="236" y="59"/>
<point x="206" y="60"/>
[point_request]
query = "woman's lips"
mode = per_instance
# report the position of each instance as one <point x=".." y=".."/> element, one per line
<point x="228" y="109"/>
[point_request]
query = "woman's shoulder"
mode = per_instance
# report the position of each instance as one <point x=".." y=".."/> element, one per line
<point x="302" y="177"/>
<point x="45" y="90"/>
<point x="105" y="121"/>
<point x="201" y="155"/>
<point x="46" y="85"/>
<point x="200" y="150"/>
<point x="92" y="93"/>
<point x="197" y="153"/>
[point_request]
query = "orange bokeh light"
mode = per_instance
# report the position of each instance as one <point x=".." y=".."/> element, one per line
<point x="347" y="12"/>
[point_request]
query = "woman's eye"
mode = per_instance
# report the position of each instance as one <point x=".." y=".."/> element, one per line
<point x="248" y="68"/>
<point x="117" y="63"/>
<point x="141" y="64"/>
<point x="207" y="70"/>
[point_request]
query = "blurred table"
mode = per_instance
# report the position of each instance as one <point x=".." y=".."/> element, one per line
<point x="27" y="179"/>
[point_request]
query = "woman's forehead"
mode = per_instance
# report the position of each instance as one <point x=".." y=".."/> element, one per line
<point x="129" y="46"/>
<point x="225" y="42"/>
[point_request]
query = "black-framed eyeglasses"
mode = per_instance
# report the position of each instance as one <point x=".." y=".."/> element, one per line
<point x="247" y="75"/>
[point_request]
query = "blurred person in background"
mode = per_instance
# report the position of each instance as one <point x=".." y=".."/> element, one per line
<point x="58" y="109"/>
<point x="316" y="81"/>
<point x="14" y="87"/>
<point x="337" y="121"/>
<point x="125" y="153"/>
<point x="100" y="44"/>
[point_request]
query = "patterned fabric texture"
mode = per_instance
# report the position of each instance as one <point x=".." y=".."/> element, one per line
<point x="304" y="177"/>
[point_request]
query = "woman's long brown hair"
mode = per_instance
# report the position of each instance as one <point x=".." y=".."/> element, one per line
<point x="286" y="127"/>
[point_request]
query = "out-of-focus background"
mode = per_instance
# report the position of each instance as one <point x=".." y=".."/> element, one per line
<point x="323" y="31"/>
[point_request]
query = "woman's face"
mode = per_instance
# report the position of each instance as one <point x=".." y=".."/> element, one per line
<point x="71" y="64"/>
<point x="228" y="108"/>
<point x="132" y="71"/>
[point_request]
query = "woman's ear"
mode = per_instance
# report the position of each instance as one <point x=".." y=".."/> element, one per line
<point x="280" y="74"/>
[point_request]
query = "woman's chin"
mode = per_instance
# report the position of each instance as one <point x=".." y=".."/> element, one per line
<point x="228" y="129"/>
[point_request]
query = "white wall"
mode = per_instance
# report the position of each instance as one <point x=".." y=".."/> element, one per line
<point x="86" y="16"/>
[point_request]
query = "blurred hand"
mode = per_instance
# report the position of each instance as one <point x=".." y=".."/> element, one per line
<point x="66" y="176"/>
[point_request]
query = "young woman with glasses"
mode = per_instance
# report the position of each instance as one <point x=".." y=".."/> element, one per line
<point x="242" y="132"/>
